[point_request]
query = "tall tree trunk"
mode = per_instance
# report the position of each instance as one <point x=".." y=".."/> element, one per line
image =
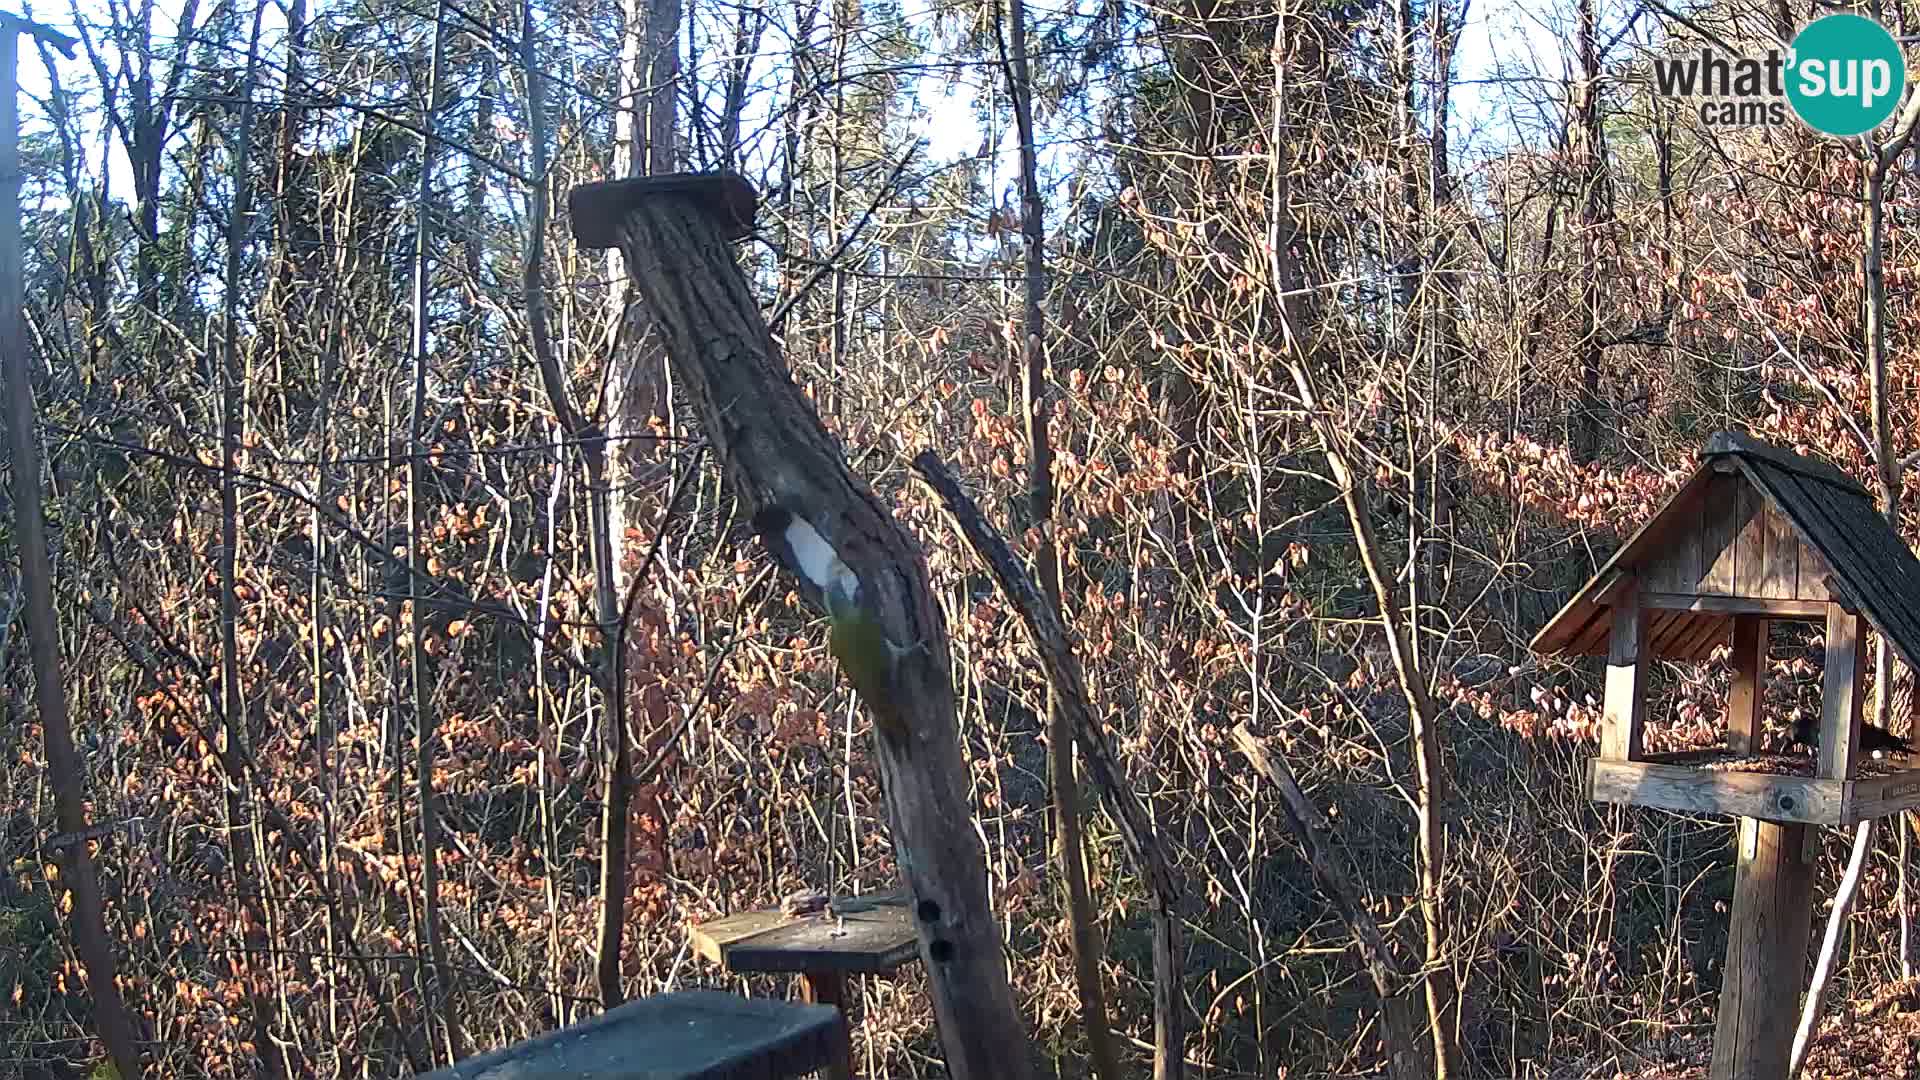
<point x="1069" y="843"/>
<point x="1430" y="793"/>
<point x="439" y="991"/>
<point x="1287" y="285"/>
<point x="639" y="383"/>
<point x="247" y="857"/>
<point x="617" y="791"/>
<point x="65" y="774"/>
<point x="1594" y="202"/>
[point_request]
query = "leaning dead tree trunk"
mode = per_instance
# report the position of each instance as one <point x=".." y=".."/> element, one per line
<point x="675" y="233"/>
<point x="64" y="772"/>
<point x="1069" y="694"/>
<point x="1399" y="1034"/>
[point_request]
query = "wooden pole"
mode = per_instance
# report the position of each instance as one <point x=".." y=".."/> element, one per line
<point x="1622" y="718"/>
<point x="1766" y="952"/>
<point x="675" y="233"/>
<point x="830" y="988"/>
<point x="1772" y="895"/>
<point x="1842" y="682"/>
<point x="1749" y="683"/>
<point x="64" y="771"/>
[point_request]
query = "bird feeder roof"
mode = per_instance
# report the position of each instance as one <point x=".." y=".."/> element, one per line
<point x="1755" y="530"/>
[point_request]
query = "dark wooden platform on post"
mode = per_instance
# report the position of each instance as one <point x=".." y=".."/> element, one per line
<point x="822" y="947"/>
<point x="676" y="235"/>
<point x="690" y="1035"/>
<point x="1756" y="535"/>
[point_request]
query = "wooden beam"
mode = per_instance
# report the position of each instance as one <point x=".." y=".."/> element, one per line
<point x="1882" y="796"/>
<point x="1626" y="694"/>
<point x="1845" y="678"/>
<point x="1766" y="952"/>
<point x="1689" y="790"/>
<point x="1749" y="683"/>
<point x="777" y="452"/>
<point x="1774" y="607"/>
<point x="1614" y="585"/>
<point x="830" y="988"/>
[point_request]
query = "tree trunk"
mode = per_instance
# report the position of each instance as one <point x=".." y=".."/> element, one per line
<point x="776" y="452"/>
<point x="1069" y="843"/>
<point x="1593" y="213"/>
<point x="244" y="834"/>
<point x="65" y="774"/>
<point x="438" y="990"/>
<point x="1442" y="1005"/>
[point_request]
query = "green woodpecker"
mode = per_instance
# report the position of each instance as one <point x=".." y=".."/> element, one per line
<point x="855" y="636"/>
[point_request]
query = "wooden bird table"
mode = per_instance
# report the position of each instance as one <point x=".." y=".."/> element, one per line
<point x="822" y="947"/>
<point x="689" y="1035"/>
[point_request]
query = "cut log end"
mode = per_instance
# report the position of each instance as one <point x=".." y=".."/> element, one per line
<point x="599" y="209"/>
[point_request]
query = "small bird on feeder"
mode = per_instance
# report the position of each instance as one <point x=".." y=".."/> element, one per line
<point x="1874" y="739"/>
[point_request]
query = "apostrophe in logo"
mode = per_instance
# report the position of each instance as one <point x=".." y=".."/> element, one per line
<point x="1846" y="75"/>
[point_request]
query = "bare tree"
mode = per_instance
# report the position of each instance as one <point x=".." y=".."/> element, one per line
<point x="65" y="774"/>
<point x="1069" y="841"/>
<point x="439" y="988"/>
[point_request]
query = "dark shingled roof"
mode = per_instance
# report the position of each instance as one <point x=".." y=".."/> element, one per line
<point x="1873" y="569"/>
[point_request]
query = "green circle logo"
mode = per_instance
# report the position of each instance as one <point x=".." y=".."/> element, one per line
<point x="1845" y="75"/>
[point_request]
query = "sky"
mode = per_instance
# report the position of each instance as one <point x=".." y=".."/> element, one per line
<point x="1505" y="46"/>
<point x="1500" y="37"/>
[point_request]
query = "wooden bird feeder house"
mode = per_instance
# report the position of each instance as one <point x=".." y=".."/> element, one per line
<point x="1755" y="535"/>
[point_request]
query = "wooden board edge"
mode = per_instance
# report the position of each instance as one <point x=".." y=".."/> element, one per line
<point x="1684" y="789"/>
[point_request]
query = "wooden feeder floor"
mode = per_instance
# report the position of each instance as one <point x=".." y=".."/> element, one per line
<point x="1783" y="764"/>
<point x="1768" y="786"/>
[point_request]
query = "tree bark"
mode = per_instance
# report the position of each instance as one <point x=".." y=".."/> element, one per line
<point x="775" y="450"/>
<point x="1069" y="842"/>
<point x="65" y="775"/>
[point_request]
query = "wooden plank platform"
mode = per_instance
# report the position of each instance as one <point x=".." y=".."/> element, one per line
<point x="689" y="1035"/>
<point x="872" y="942"/>
<point x="1771" y="787"/>
<point x="874" y="937"/>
